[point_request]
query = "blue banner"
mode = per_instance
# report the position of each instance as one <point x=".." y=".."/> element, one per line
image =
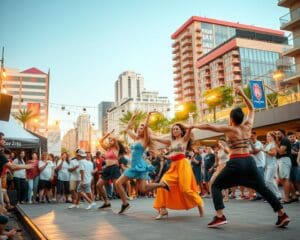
<point x="258" y="94"/>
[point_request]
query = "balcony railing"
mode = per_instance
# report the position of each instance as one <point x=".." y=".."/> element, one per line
<point x="284" y="97"/>
<point x="295" y="42"/>
<point x="291" y="71"/>
<point x="292" y="15"/>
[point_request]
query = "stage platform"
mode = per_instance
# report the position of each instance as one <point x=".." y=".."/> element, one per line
<point x="246" y="220"/>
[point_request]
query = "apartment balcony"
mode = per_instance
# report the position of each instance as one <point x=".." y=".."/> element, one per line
<point x="188" y="79"/>
<point x="188" y="94"/>
<point x="176" y="50"/>
<point x="178" y="98"/>
<point x="198" y="36"/>
<point x="235" y="61"/>
<point x="187" y="50"/>
<point x="221" y="82"/>
<point x="292" y="76"/>
<point x="237" y="78"/>
<point x="187" y="44"/>
<point x="199" y="51"/>
<point x="187" y="58"/>
<point x="295" y="50"/>
<point x="177" y="78"/>
<point x="235" y="53"/>
<point x="220" y="76"/>
<point x="189" y="86"/>
<point x="176" y="57"/>
<point x="291" y="20"/>
<point x="177" y="84"/>
<point x="177" y="71"/>
<point x="198" y="30"/>
<point x="176" y="64"/>
<point x="186" y="36"/>
<point x="220" y="68"/>
<point x="286" y="3"/>
<point x="188" y="64"/>
<point x="207" y="74"/>
<point x="236" y="69"/>
<point x="188" y="72"/>
<point x="175" y="44"/>
<point x="178" y="91"/>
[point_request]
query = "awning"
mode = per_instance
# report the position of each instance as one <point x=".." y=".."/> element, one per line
<point x="16" y="136"/>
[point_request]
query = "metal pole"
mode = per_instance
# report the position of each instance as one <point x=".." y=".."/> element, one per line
<point x="2" y="67"/>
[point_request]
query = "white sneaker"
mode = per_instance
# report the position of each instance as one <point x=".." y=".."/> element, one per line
<point x="92" y="205"/>
<point x="73" y="206"/>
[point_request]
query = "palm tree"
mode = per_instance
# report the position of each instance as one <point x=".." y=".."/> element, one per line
<point x="159" y="123"/>
<point x="218" y="97"/>
<point x="141" y="116"/>
<point x="24" y="116"/>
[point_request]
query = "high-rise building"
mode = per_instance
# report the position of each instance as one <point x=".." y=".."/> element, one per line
<point x="30" y="90"/>
<point x="83" y="131"/>
<point x="196" y="38"/>
<point x="147" y="101"/>
<point x="244" y="57"/>
<point x="69" y="141"/>
<point x="128" y="85"/>
<point x="291" y="22"/>
<point x="102" y="116"/>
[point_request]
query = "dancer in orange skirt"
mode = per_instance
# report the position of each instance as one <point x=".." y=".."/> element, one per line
<point x="182" y="194"/>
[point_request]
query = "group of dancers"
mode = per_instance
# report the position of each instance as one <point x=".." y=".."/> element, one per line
<point x="178" y="188"/>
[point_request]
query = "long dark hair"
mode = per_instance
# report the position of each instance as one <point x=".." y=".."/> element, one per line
<point x="19" y="157"/>
<point x="182" y="128"/>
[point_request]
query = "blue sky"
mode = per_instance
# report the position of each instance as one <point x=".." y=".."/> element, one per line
<point x="87" y="44"/>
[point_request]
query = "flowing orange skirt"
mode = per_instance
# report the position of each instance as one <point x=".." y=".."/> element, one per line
<point x="183" y="188"/>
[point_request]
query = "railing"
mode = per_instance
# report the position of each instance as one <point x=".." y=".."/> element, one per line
<point x="289" y="17"/>
<point x="294" y="42"/>
<point x="291" y="70"/>
<point x="284" y="97"/>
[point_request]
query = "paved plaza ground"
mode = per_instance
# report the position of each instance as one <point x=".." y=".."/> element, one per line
<point x="247" y="220"/>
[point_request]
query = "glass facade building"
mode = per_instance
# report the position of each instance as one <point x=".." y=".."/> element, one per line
<point x="213" y="35"/>
<point x="258" y="65"/>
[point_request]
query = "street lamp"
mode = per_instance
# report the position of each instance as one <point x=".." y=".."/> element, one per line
<point x="2" y="70"/>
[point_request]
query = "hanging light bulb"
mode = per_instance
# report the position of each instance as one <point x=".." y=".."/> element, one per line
<point x="69" y="113"/>
<point x="63" y="108"/>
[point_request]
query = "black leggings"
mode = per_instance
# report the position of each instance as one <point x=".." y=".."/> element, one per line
<point x="242" y="172"/>
<point x="21" y="187"/>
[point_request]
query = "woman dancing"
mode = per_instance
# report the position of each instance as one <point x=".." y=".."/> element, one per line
<point x="114" y="149"/>
<point x="179" y="178"/>
<point x="139" y="168"/>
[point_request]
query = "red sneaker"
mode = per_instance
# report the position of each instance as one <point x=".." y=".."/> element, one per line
<point x="216" y="222"/>
<point x="282" y="221"/>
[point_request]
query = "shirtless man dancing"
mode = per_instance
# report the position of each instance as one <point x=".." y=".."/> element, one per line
<point x="241" y="169"/>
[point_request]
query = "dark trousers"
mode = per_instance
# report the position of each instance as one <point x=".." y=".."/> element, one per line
<point x="242" y="172"/>
<point x="21" y="187"/>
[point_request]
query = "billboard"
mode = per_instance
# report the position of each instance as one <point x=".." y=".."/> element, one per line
<point x="257" y="93"/>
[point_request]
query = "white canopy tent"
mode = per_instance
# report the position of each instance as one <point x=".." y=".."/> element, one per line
<point x="17" y="137"/>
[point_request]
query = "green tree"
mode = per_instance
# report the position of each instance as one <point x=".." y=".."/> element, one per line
<point x="159" y="123"/>
<point x="141" y="116"/>
<point x="218" y="97"/>
<point x="183" y="110"/>
<point x="24" y="116"/>
<point x="247" y="92"/>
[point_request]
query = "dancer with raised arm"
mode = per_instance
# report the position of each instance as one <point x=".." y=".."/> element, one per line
<point x="139" y="168"/>
<point x="241" y="168"/>
<point x="180" y="179"/>
<point x="113" y="150"/>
